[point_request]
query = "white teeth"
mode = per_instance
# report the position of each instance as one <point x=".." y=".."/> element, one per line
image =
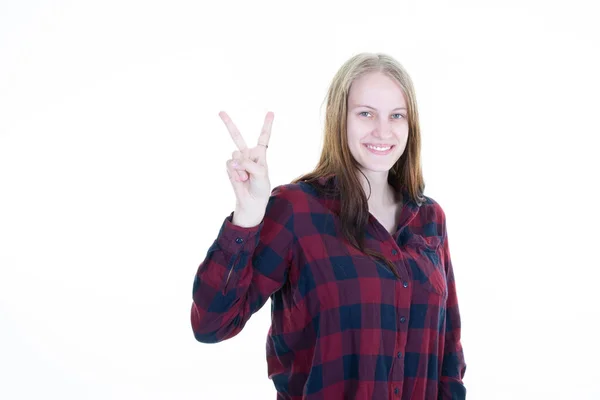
<point x="379" y="148"/>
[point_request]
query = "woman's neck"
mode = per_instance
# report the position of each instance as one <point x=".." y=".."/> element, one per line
<point x="382" y="193"/>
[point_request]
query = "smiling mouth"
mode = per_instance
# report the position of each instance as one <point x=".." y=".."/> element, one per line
<point x="379" y="150"/>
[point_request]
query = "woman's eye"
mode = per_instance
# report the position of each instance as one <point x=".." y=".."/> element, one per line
<point x="394" y="116"/>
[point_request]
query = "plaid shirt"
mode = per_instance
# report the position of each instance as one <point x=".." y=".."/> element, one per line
<point x="343" y="326"/>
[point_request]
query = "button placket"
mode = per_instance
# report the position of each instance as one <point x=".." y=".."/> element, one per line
<point x="239" y="241"/>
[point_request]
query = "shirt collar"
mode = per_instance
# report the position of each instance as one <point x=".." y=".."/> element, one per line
<point x="329" y="183"/>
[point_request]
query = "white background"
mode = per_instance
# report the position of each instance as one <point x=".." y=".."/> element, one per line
<point x="113" y="182"/>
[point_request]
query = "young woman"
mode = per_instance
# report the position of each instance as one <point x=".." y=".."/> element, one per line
<point x="353" y="256"/>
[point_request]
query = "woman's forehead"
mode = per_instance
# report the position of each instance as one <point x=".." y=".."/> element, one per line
<point x="375" y="87"/>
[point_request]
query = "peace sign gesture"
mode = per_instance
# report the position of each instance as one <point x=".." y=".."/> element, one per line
<point x="247" y="170"/>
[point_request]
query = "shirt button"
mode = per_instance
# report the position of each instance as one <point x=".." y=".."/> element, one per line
<point x="239" y="240"/>
<point x="402" y="319"/>
<point x="396" y="391"/>
<point x="405" y="284"/>
<point x="399" y="355"/>
<point x="394" y="251"/>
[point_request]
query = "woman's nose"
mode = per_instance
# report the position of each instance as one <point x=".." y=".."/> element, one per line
<point x="383" y="129"/>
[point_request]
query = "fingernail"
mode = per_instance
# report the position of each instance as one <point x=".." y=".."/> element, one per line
<point x="235" y="164"/>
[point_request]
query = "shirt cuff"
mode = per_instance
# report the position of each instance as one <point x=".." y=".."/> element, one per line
<point x="233" y="239"/>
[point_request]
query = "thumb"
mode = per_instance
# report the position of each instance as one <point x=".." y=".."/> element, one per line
<point x="250" y="166"/>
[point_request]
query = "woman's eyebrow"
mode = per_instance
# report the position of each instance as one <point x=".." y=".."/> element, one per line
<point x="372" y="108"/>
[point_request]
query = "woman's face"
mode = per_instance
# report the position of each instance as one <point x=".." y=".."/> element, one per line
<point x="377" y="122"/>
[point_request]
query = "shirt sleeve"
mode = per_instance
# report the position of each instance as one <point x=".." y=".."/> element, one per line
<point x="451" y="385"/>
<point x="241" y="270"/>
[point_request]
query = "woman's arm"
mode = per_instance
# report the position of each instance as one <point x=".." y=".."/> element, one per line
<point x="451" y="386"/>
<point x="242" y="268"/>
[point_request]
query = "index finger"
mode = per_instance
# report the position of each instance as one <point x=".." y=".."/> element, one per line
<point x="265" y="134"/>
<point x="233" y="131"/>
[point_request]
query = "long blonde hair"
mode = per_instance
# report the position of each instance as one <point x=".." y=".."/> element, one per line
<point x="337" y="159"/>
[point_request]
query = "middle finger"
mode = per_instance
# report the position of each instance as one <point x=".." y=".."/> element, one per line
<point x="233" y="131"/>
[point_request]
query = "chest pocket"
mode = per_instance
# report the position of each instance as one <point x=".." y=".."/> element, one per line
<point x="426" y="265"/>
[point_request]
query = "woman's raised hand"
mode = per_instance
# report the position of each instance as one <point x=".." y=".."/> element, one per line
<point x="248" y="173"/>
